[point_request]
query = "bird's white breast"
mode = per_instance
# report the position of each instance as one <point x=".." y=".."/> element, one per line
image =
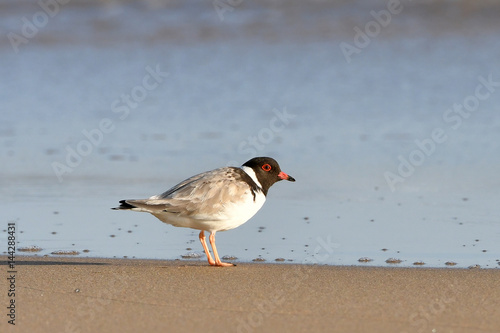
<point x="237" y="214"/>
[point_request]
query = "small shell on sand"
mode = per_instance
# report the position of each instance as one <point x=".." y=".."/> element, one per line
<point x="365" y="259"/>
<point x="191" y="255"/>
<point x="65" y="253"/>
<point x="32" y="248"/>
<point x="394" y="261"/>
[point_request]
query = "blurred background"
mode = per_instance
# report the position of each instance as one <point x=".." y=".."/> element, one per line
<point x="386" y="113"/>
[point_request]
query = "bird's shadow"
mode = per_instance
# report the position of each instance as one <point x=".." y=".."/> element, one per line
<point x="50" y="263"/>
<point x="174" y="263"/>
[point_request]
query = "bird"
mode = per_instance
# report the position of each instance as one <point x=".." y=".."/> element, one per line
<point x="216" y="200"/>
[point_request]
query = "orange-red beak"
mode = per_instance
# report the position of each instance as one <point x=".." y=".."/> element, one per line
<point x="284" y="176"/>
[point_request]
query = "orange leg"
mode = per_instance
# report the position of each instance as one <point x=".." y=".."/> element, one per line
<point x="205" y="247"/>
<point x="216" y="255"/>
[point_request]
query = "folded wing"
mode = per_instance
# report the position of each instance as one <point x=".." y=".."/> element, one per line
<point x="203" y="196"/>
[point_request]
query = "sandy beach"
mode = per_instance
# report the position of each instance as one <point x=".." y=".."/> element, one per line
<point x="121" y="295"/>
<point x="386" y="114"/>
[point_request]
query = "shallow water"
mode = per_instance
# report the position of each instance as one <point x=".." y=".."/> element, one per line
<point x="124" y="100"/>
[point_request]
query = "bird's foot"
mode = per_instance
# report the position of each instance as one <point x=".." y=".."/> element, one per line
<point x="222" y="264"/>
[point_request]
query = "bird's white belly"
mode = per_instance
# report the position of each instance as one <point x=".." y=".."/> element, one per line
<point x="233" y="215"/>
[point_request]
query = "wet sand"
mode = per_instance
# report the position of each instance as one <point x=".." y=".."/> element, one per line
<point x="121" y="295"/>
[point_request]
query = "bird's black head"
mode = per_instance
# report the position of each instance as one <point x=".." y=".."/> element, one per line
<point x="267" y="171"/>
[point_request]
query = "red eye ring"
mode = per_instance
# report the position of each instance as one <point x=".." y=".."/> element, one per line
<point x="266" y="167"/>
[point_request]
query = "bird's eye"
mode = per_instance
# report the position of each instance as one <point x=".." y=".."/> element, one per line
<point x="266" y="167"/>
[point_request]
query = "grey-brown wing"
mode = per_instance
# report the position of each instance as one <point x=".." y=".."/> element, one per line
<point x="202" y="195"/>
<point x="179" y="187"/>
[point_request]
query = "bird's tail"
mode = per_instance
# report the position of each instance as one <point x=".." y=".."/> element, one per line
<point x="143" y="205"/>
<point x="124" y="205"/>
